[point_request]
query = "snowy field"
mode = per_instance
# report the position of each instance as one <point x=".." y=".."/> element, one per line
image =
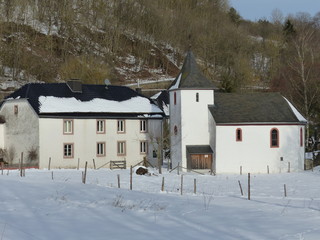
<point x="39" y="207"/>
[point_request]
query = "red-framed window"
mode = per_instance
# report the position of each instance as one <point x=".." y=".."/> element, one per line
<point x="301" y="137"/>
<point x="101" y="126"/>
<point x="274" y="138"/>
<point x="239" y="135"/>
<point x="68" y="150"/>
<point x="101" y="149"/>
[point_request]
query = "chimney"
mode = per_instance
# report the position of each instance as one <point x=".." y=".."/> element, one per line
<point x="139" y="90"/>
<point x="75" y="85"/>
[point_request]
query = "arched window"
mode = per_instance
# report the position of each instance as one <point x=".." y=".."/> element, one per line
<point x="175" y="98"/>
<point x="274" y="138"/>
<point x="197" y="97"/>
<point x="175" y="130"/>
<point x="239" y="135"/>
<point x="301" y="137"/>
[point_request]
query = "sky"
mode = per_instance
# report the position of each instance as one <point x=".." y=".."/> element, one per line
<point x="262" y="9"/>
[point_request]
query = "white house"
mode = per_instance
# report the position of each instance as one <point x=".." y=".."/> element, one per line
<point x="226" y="132"/>
<point x="71" y="122"/>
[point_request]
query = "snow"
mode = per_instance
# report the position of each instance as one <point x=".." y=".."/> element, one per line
<point x="138" y="104"/>
<point x="296" y="112"/>
<point x="37" y="207"/>
<point x="166" y="109"/>
<point x="155" y="96"/>
<point x="176" y="85"/>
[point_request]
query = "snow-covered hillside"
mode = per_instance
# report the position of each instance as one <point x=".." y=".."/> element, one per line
<point x="37" y="207"/>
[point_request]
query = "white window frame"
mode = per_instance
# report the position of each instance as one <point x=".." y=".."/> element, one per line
<point x="121" y="126"/>
<point x="101" y="149"/>
<point x="121" y="148"/>
<point x="101" y="126"/>
<point x="143" y="126"/>
<point x="68" y="150"/>
<point x="143" y="147"/>
<point x="67" y="126"/>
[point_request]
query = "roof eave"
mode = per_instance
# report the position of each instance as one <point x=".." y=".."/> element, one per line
<point x="259" y="123"/>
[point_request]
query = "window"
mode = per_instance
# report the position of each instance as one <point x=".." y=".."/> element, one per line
<point x="239" y="135"/>
<point x="121" y="128"/>
<point x="100" y="126"/>
<point x="274" y="138"/>
<point x="143" y="147"/>
<point x="175" y="98"/>
<point x="67" y="126"/>
<point x="301" y="137"/>
<point x="101" y="149"/>
<point x="154" y="154"/>
<point x="68" y="150"/>
<point x="121" y="148"/>
<point x="15" y="109"/>
<point x="197" y="97"/>
<point x="143" y="126"/>
<point x="175" y="130"/>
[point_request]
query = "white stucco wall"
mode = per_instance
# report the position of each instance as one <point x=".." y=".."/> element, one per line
<point x="85" y="141"/>
<point x="2" y="126"/>
<point x="21" y="131"/>
<point x="175" y="120"/>
<point x="192" y="119"/>
<point x="254" y="153"/>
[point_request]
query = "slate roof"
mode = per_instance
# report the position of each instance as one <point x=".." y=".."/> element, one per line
<point x="251" y="108"/>
<point x="33" y="91"/>
<point x="163" y="100"/>
<point x="199" y="149"/>
<point x="190" y="77"/>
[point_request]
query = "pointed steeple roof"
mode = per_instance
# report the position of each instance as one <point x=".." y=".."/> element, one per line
<point x="190" y="77"/>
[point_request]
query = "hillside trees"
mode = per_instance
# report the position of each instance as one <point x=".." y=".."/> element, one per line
<point x="298" y="76"/>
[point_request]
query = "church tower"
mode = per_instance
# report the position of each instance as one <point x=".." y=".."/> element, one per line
<point x="190" y="95"/>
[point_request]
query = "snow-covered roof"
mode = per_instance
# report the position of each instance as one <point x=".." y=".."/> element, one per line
<point x="136" y="104"/>
<point x="94" y="100"/>
<point x="296" y="112"/>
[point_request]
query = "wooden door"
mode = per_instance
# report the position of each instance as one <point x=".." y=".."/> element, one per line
<point x="201" y="161"/>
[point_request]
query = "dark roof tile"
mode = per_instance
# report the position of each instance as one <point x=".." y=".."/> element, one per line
<point x="190" y="77"/>
<point x="231" y="108"/>
<point x="33" y="91"/>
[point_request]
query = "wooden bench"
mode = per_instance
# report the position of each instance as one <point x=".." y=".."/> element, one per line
<point x="118" y="164"/>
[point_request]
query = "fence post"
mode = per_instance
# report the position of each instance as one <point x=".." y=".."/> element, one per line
<point x="178" y="168"/>
<point x="94" y="164"/>
<point x="240" y="188"/>
<point x="288" y="167"/>
<point x="131" y="177"/>
<point x="78" y="163"/>
<point x="21" y="166"/>
<point x="195" y="186"/>
<point x="162" y="184"/>
<point x="249" y="186"/>
<point x="240" y="170"/>
<point x="52" y="175"/>
<point x="285" y="190"/>
<point x="85" y="173"/>
<point x="49" y="163"/>
<point x="118" y="180"/>
<point x="268" y="169"/>
<point x="181" y="188"/>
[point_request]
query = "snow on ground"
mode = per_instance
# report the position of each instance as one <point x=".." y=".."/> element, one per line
<point x="37" y="207"/>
